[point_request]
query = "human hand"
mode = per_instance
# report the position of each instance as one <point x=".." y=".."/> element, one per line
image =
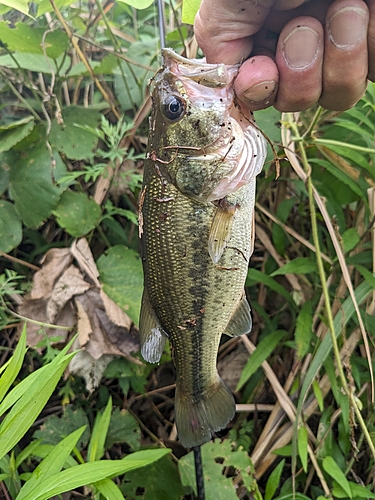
<point x="302" y="51"/>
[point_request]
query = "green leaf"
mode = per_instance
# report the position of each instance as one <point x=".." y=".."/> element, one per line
<point x="189" y="10"/>
<point x="20" y="5"/>
<point x="13" y="368"/>
<point x="75" y="142"/>
<point x="99" y="433"/>
<point x="14" y="133"/>
<point x="30" y="62"/>
<point x="10" y="227"/>
<point x="88" y="473"/>
<point x="123" y="428"/>
<point x="24" y="38"/>
<point x="368" y="276"/>
<point x="263" y="350"/>
<point x="52" y="464"/>
<point x="300" y="265"/>
<point x="303" y="332"/>
<point x="153" y="482"/>
<point x="56" y="428"/>
<point x="77" y="213"/>
<point x="27" y="408"/>
<point x="31" y="183"/>
<point x="109" y="489"/>
<point x="318" y="394"/>
<point x="331" y="468"/>
<point x="120" y="272"/>
<point x="255" y="276"/>
<point x="350" y="238"/>
<point x="302" y="444"/>
<point x="273" y="482"/>
<point x="138" y="4"/>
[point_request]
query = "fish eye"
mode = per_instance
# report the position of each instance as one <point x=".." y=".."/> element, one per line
<point x="173" y="107"/>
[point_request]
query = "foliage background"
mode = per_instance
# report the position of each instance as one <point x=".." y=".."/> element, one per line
<point x="73" y="131"/>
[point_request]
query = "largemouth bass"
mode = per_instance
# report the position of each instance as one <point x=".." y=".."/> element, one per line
<point x="195" y="226"/>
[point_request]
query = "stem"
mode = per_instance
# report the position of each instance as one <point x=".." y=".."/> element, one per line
<point x="319" y="260"/>
<point x="354" y="147"/>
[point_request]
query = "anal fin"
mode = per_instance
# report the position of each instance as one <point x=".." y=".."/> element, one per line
<point x="153" y="337"/>
<point x="240" y="322"/>
<point x="220" y="232"/>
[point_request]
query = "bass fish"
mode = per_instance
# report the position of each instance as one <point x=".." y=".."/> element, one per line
<point x="196" y="233"/>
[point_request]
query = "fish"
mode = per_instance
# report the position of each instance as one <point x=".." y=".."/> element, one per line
<point x="196" y="233"/>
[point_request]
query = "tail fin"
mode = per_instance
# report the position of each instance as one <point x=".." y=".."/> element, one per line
<point x="197" y="420"/>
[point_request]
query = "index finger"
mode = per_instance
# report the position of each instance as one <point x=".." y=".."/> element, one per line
<point x="224" y="28"/>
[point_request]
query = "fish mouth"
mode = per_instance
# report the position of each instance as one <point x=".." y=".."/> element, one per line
<point x="208" y="75"/>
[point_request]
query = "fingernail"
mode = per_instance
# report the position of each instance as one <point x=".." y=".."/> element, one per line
<point x="301" y="47"/>
<point x="347" y="27"/>
<point x="261" y="92"/>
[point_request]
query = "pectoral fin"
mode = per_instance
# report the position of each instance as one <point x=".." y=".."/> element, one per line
<point x="220" y="232"/>
<point x="240" y="322"/>
<point x="153" y="337"/>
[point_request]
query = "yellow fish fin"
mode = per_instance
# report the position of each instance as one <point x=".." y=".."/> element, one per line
<point x="196" y="420"/>
<point x="220" y="232"/>
<point x="240" y="322"/>
<point x="153" y="337"/>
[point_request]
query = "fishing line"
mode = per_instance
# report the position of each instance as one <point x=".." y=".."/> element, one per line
<point x="199" y="472"/>
<point x="161" y="23"/>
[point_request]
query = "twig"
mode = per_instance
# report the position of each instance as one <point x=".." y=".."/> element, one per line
<point x="19" y="261"/>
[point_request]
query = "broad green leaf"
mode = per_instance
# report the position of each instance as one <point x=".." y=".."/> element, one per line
<point x="99" y="433"/>
<point x="302" y="444"/>
<point x="123" y="428"/>
<point x="303" y="333"/>
<point x="88" y="473"/>
<point x="10" y="227"/>
<point x="293" y="496"/>
<point x="12" y="135"/>
<point x="4" y="174"/>
<point x="20" y="5"/>
<point x="273" y="482"/>
<point x="263" y="350"/>
<point x="32" y="184"/>
<point x="13" y="368"/>
<point x="109" y="489"/>
<point x="331" y="468"/>
<point x="138" y="4"/>
<point x="72" y="140"/>
<point x="120" y="272"/>
<point x="27" y="408"/>
<point x="52" y="464"/>
<point x="350" y="238"/>
<point x="153" y="481"/>
<point x="77" y="213"/>
<point x="255" y="276"/>
<point x="57" y="428"/>
<point x="31" y="62"/>
<point x="189" y="10"/>
<point x="25" y="38"/>
<point x="45" y="6"/>
<point x="300" y="265"/>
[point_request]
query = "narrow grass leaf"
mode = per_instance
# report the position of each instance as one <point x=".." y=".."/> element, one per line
<point x="367" y="275"/>
<point x="52" y="464"/>
<point x="99" y="433"/>
<point x="14" y="366"/>
<point x="109" y="490"/>
<point x="263" y="350"/>
<point x="302" y="444"/>
<point x="273" y="482"/>
<point x="27" y="408"/>
<point x="300" y="265"/>
<point x="303" y="333"/>
<point x="331" y="468"/>
<point x="91" y="472"/>
<point x="318" y="394"/>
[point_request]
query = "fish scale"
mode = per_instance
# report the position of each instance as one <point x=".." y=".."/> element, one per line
<point x="195" y="251"/>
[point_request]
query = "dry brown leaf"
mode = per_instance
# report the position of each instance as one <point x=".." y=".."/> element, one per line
<point x="54" y="263"/>
<point x="83" y="326"/>
<point x="71" y="283"/>
<point x="82" y="253"/>
<point x="231" y="365"/>
<point x="114" y="312"/>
